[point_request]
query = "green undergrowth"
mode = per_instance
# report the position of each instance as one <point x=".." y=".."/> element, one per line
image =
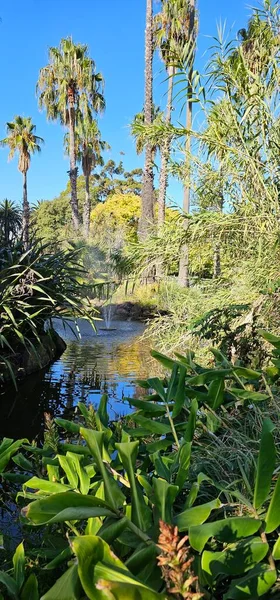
<point x="180" y="499"/>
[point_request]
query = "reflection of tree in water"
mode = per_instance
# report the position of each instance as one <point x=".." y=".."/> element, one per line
<point x="84" y="372"/>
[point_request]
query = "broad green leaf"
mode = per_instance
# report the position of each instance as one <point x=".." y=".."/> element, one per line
<point x="126" y="591"/>
<point x="235" y="559"/>
<point x="208" y="376"/>
<point x="140" y="513"/>
<point x="84" y="478"/>
<point x="19" y="565"/>
<point x="59" y="559"/>
<point x="69" y="470"/>
<point x="67" y="587"/>
<point x="191" y="425"/>
<point x="172" y="384"/>
<point x="159" y="445"/>
<point x="161" y="469"/>
<point x="273" y="514"/>
<point x="156" y="384"/>
<point x="151" y="425"/>
<point x="102" y="412"/>
<point x="269" y="337"/>
<point x="30" y="589"/>
<point x="184" y="459"/>
<point x="97" y="564"/>
<point x="247" y="395"/>
<point x="111" y="529"/>
<point x="180" y="395"/>
<point x="141" y="557"/>
<point x="8" y="450"/>
<point x="276" y="550"/>
<point x="94" y="440"/>
<point x="23" y="462"/>
<point x="148" y="406"/>
<point x="9" y="584"/>
<point x="164" y="496"/>
<point x="216" y="393"/>
<point x="69" y="506"/>
<point x="68" y="425"/>
<point x="266" y="464"/>
<point x="196" y="515"/>
<point x="167" y="362"/>
<point x="227" y="530"/>
<point x="246" y="373"/>
<point x="48" y="487"/>
<point x="255" y="584"/>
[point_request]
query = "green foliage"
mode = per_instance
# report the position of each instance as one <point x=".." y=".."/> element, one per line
<point x="112" y="493"/>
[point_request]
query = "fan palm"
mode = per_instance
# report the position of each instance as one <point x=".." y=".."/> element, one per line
<point x="21" y="138"/>
<point x="89" y="148"/>
<point x="67" y="86"/>
<point x="10" y="221"/>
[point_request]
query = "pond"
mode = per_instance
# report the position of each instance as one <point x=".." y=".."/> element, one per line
<point x="103" y="361"/>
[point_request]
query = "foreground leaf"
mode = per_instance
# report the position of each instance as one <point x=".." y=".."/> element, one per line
<point x="65" y="507"/>
<point x="67" y="587"/>
<point x="266" y="464"/>
<point x="226" y="530"/>
<point x="196" y="515"/>
<point x="254" y="585"/>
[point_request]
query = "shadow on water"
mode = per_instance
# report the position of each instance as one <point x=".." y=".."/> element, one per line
<point x="105" y="361"/>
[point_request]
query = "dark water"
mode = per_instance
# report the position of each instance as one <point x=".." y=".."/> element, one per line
<point x="106" y="361"/>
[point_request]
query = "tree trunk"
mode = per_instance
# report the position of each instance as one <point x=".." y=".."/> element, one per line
<point x="165" y="152"/>
<point x="86" y="219"/>
<point x="183" y="278"/>
<point x="217" y="261"/>
<point x="73" y="169"/>
<point x="147" y="196"/>
<point x="25" y="214"/>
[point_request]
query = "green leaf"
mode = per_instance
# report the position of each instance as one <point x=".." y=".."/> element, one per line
<point x="180" y="393"/>
<point x="68" y="425"/>
<point x="140" y="513"/>
<point x="67" y="587"/>
<point x="167" y="362"/>
<point x="196" y="515"/>
<point x="30" y="589"/>
<point x="94" y="440"/>
<point x="84" y="478"/>
<point x="159" y="445"/>
<point x="142" y="556"/>
<point x="99" y="568"/>
<point x="22" y="462"/>
<point x="255" y="584"/>
<point x="19" y="565"/>
<point x="69" y="470"/>
<point x="111" y="529"/>
<point x="184" y="459"/>
<point x="246" y="373"/>
<point x="226" y="530"/>
<point x="156" y="384"/>
<point x="191" y="425"/>
<point x="59" y="559"/>
<point x="273" y="514"/>
<point x="266" y="464"/>
<point x="164" y="496"/>
<point x="68" y="506"/>
<point x="247" y="395"/>
<point x="150" y="425"/>
<point x="269" y="337"/>
<point x="210" y="375"/>
<point x="126" y="591"/>
<point x="276" y="550"/>
<point x="8" y="450"/>
<point x="10" y="584"/>
<point x="48" y="487"/>
<point x="235" y="559"/>
<point x="216" y="393"/>
<point x="102" y="410"/>
<point x="148" y="406"/>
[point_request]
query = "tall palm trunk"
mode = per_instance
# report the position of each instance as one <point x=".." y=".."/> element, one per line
<point x="25" y="213"/>
<point x="86" y="216"/>
<point x="72" y="153"/>
<point x="165" y="152"/>
<point x="147" y="196"/>
<point x="184" y="254"/>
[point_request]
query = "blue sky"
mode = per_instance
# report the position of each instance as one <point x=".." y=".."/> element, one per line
<point x="114" y="31"/>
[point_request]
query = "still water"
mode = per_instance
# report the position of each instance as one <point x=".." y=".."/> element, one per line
<point x="106" y="361"/>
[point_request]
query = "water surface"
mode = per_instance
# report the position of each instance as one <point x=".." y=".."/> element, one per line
<point x="105" y="361"/>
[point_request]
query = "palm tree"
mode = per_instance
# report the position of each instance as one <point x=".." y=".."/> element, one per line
<point x="147" y="195"/>
<point x="21" y="138"/>
<point x="68" y="86"/>
<point x="138" y="130"/>
<point x="167" y="32"/>
<point x="89" y="153"/>
<point x="188" y="40"/>
<point x="10" y="221"/>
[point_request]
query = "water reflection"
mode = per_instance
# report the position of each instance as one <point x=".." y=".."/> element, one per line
<point x="106" y="361"/>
